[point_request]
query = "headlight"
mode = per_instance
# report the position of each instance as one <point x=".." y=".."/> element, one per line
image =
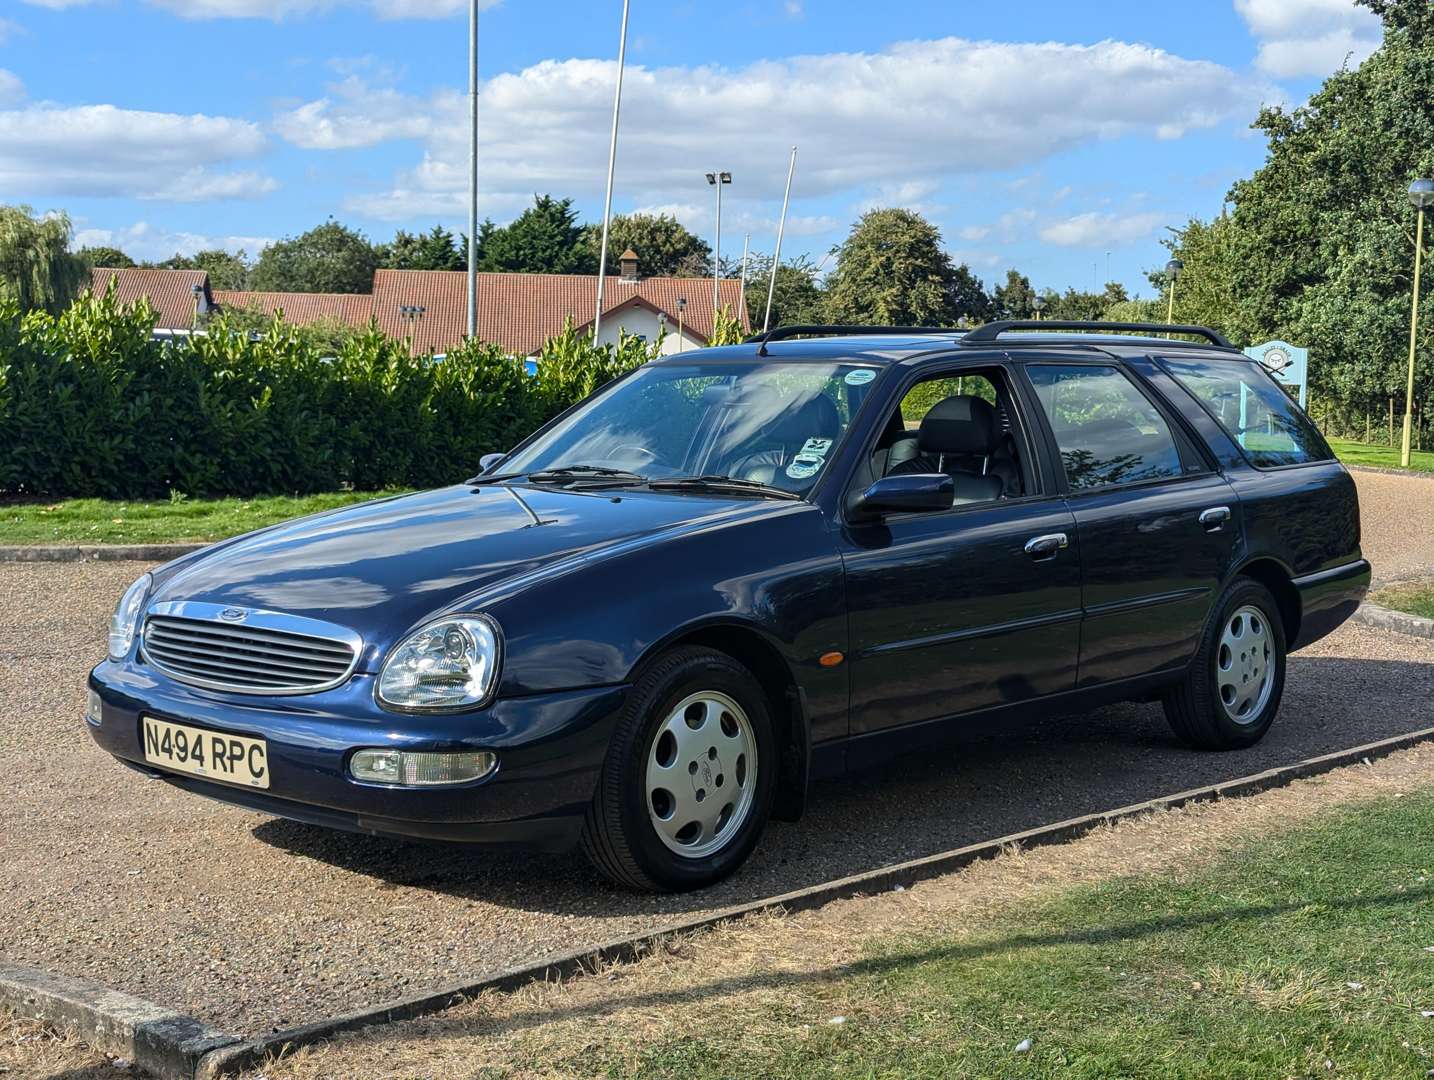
<point x="451" y="663"/>
<point x="126" y="617"/>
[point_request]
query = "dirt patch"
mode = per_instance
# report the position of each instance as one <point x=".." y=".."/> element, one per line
<point x="769" y="964"/>
<point x="28" y="1049"/>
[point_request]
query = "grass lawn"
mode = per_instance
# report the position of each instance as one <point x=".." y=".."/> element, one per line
<point x="1384" y="457"/>
<point x="1414" y="599"/>
<point x="1306" y="948"/>
<point x="101" y="521"/>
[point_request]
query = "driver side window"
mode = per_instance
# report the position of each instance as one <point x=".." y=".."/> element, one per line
<point x="960" y="424"/>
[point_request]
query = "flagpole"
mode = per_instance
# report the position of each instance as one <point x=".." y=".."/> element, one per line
<point x="781" y="227"/>
<point x="473" y="169"/>
<point x="611" y="164"/>
<point x="742" y="293"/>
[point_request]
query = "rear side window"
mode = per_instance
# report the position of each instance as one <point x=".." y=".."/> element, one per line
<point x="1107" y="431"/>
<point x="1253" y="410"/>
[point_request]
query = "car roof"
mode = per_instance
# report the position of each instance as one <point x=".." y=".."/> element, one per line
<point x="884" y="349"/>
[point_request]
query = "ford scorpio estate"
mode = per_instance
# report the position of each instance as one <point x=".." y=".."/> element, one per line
<point x="646" y="629"/>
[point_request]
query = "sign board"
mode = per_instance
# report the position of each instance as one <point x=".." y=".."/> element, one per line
<point x="1289" y="364"/>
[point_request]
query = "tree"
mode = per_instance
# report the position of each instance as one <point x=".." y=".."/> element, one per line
<point x="968" y="293"/>
<point x="664" y="246"/>
<point x="798" y="297"/>
<point x="1015" y="299"/>
<point x="1318" y="248"/>
<point x="36" y="266"/>
<point x="329" y="258"/>
<point x="544" y="239"/>
<point x="892" y="270"/>
<point x="226" y="270"/>
<point x="437" y="249"/>
<point x="110" y="257"/>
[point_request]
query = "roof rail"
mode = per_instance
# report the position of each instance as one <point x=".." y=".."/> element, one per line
<point x="987" y="335"/>
<point x="781" y="333"/>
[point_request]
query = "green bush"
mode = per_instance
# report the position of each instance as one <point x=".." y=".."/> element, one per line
<point x="90" y="405"/>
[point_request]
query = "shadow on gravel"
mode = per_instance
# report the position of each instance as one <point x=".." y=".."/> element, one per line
<point x="981" y="783"/>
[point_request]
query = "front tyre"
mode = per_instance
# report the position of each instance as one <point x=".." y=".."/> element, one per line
<point x="688" y="780"/>
<point x="1230" y="695"/>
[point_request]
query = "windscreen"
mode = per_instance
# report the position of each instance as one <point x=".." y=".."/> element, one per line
<point x="770" y="422"/>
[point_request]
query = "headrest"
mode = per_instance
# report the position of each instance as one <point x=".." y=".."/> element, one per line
<point x="960" y="424"/>
<point x="817" y="417"/>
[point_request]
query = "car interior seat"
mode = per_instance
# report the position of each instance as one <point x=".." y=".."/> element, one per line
<point x="815" y="418"/>
<point x="960" y="436"/>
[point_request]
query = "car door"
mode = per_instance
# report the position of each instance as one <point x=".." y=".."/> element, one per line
<point x="1158" y="527"/>
<point x="949" y="612"/>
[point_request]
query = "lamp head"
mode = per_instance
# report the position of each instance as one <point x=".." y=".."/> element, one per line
<point x="1039" y="303"/>
<point x="712" y="178"/>
<point x="1421" y="194"/>
<point x="1174" y="268"/>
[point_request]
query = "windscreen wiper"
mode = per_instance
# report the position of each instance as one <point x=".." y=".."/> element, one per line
<point x="712" y="482"/>
<point x="570" y="473"/>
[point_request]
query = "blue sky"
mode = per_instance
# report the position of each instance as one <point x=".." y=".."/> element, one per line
<point x="1040" y="137"/>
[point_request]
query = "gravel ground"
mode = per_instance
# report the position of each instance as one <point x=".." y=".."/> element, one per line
<point x="253" y="924"/>
<point x="1397" y="513"/>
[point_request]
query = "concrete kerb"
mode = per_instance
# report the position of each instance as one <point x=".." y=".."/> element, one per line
<point x="1398" y="621"/>
<point x="150" y="553"/>
<point x="235" y="1057"/>
<point x="159" y="1040"/>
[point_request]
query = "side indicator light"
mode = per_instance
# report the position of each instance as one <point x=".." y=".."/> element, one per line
<point x="831" y="659"/>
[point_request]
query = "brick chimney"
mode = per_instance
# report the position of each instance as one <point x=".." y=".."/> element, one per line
<point x="628" y="261"/>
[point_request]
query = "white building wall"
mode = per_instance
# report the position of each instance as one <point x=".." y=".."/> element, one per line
<point x="641" y="321"/>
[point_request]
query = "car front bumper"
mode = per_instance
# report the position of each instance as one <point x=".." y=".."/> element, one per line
<point x="550" y="751"/>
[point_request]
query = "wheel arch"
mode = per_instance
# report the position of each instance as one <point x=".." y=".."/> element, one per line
<point x="1275" y="576"/>
<point x="755" y="651"/>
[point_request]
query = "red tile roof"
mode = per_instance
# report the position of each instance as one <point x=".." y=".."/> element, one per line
<point x="170" y="292"/>
<point x="521" y="311"/>
<point x="302" y="308"/>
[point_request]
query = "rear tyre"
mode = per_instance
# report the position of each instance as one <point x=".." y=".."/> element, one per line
<point x="687" y="784"/>
<point x="1230" y="695"/>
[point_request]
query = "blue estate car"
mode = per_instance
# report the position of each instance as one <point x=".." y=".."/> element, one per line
<point x="650" y="625"/>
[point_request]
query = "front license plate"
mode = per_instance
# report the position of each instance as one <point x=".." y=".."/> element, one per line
<point x="234" y="759"/>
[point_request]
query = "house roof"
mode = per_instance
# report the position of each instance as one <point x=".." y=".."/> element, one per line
<point x="302" y="308"/>
<point x="521" y="311"/>
<point x="170" y="292"/>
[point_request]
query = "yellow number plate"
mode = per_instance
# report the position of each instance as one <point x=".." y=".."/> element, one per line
<point x="214" y="756"/>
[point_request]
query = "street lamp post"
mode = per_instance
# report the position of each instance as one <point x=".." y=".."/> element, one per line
<point x="717" y="180"/>
<point x="1421" y="197"/>
<point x="1172" y="272"/>
<point x="681" y="313"/>
<point x="198" y="291"/>
<point x="1039" y="304"/>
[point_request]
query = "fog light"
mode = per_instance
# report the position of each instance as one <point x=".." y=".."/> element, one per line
<point x="417" y="769"/>
<point x="94" y="714"/>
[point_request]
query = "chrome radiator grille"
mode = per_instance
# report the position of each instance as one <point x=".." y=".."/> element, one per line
<point x="255" y="652"/>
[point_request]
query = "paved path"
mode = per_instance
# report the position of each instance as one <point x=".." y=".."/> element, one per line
<point x="1397" y="513"/>
<point x="252" y="923"/>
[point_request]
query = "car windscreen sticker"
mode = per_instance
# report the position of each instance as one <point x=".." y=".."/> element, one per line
<point x="807" y="461"/>
<point x="859" y="377"/>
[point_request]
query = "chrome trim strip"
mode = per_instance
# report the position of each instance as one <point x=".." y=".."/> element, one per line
<point x="321" y="643"/>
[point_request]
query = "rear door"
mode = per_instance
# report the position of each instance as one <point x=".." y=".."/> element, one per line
<point x="1159" y="528"/>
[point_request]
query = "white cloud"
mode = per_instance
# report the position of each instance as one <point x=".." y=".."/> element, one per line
<point x="57" y="5"/>
<point x="949" y="106"/>
<point x="146" y="242"/>
<point x="9" y="29"/>
<point x="12" y="91"/>
<point x="1309" y="37"/>
<point x="1093" y="230"/>
<point x="103" y="150"/>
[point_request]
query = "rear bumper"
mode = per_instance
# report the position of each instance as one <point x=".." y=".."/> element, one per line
<point x="550" y="751"/>
<point x="1328" y="598"/>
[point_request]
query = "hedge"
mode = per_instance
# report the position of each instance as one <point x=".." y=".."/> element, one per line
<point x="91" y="405"/>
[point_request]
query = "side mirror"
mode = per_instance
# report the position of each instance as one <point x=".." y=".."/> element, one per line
<point x="913" y="493"/>
<point x="487" y="461"/>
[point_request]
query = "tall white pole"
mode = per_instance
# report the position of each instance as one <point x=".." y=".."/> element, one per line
<point x="742" y="287"/>
<point x="611" y="164"/>
<point x="473" y="168"/>
<point x="781" y="227"/>
<point x="717" y="248"/>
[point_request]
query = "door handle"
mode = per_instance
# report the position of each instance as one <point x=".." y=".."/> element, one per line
<point x="1213" y="519"/>
<point x="1042" y="548"/>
